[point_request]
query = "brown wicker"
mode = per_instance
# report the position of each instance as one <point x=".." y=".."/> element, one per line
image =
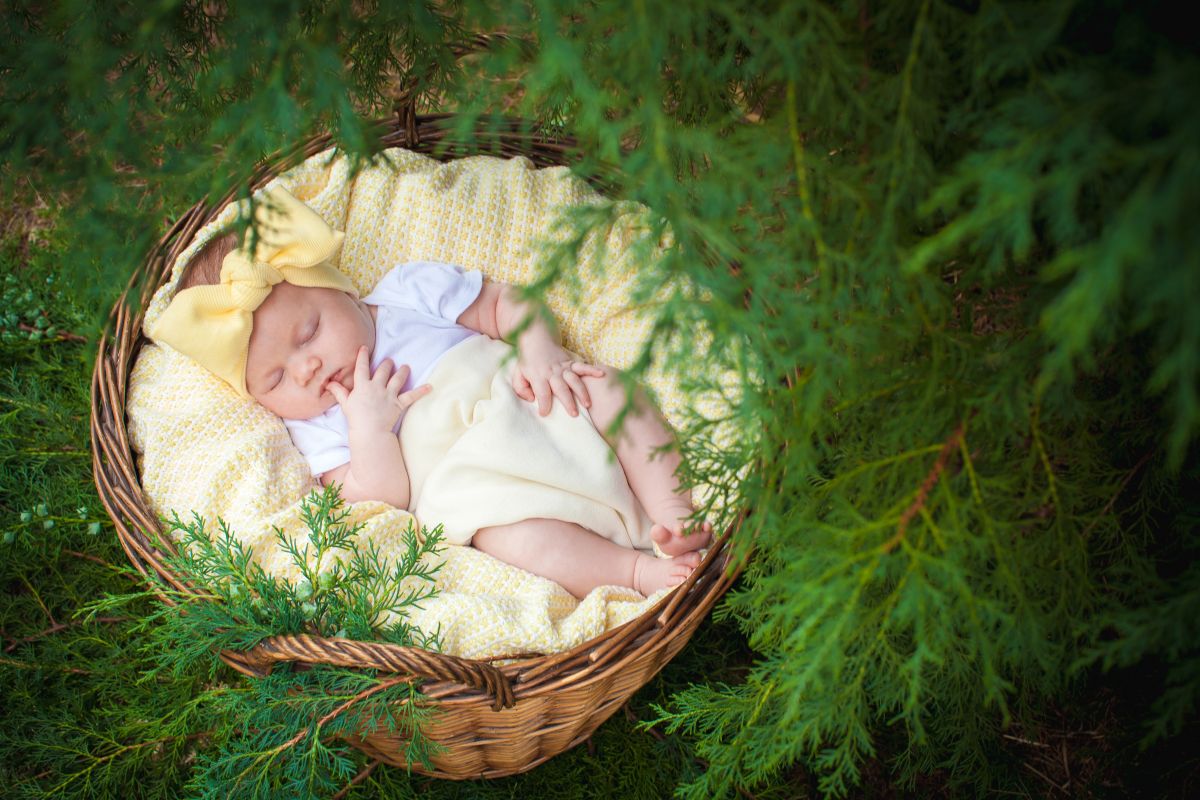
<point x="498" y="721"/>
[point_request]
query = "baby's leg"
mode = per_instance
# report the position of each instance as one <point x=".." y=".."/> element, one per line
<point x="578" y="559"/>
<point x="650" y="471"/>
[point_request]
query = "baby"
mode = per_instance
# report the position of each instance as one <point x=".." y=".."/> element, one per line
<point x="285" y="327"/>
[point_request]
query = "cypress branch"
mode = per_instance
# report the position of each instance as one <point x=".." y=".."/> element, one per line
<point x="292" y="720"/>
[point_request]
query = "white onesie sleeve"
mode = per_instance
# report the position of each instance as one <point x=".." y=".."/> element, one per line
<point x="430" y="287"/>
<point x="323" y="440"/>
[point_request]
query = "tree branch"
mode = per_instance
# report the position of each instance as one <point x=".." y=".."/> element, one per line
<point x="927" y="485"/>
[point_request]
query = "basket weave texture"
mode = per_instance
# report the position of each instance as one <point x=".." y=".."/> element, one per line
<point x="494" y="721"/>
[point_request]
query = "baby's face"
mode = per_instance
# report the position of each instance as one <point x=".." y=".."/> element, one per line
<point x="302" y="340"/>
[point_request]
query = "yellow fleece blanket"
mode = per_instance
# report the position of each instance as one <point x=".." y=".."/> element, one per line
<point x="204" y="449"/>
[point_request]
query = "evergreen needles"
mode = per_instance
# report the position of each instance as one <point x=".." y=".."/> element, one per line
<point x="946" y="252"/>
<point x="281" y="734"/>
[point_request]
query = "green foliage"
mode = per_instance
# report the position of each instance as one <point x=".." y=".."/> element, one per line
<point x="944" y="249"/>
<point x="191" y="97"/>
<point x="1164" y="621"/>
<point x="290" y="720"/>
<point x="76" y="725"/>
<point x="284" y="730"/>
<point x="338" y="594"/>
<point x="948" y="252"/>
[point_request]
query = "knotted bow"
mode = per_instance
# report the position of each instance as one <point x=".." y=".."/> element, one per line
<point x="212" y="324"/>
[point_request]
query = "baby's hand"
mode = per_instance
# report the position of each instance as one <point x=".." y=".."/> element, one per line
<point x="376" y="402"/>
<point x="544" y="374"/>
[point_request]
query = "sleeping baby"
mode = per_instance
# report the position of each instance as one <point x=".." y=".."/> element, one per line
<point x="410" y="395"/>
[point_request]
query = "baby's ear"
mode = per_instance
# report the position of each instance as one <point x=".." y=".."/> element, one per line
<point x="205" y="267"/>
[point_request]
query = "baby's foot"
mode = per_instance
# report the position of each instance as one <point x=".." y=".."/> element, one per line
<point x="673" y="540"/>
<point x="651" y="574"/>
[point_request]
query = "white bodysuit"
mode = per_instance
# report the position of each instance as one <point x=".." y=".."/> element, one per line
<point x="415" y="325"/>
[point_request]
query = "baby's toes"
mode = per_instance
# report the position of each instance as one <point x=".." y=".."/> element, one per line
<point x="682" y="565"/>
<point x="661" y="534"/>
<point x="678" y="574"/>
<point x="675" y="577"/>
<point x="700" y="536"/>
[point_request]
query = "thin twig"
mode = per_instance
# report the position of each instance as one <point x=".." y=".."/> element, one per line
<point x="927" y="485"/>
<point x="59" y="336"/>
<point x="653" y="731"/>
<point x="1112" y="500"/>
<point x="1043" y="776"/>
<point x="1023" y="741"/>
<point x="60" y="627"/>
<point x="98" y="560"/>
<point x="138" y="745"/>
<point x="360" y="696"/>
<point x="38" y="598"/>
<point x="52" y="667"/>
<point x="359" y="778"/>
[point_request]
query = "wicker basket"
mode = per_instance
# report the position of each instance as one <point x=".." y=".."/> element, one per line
<point x="499" y="720"/>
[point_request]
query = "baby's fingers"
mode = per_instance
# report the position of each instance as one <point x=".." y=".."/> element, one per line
<point x="384" y="371"/>
<point x="406" y="399"/>
<point x="396" y="382"/>
<point x="590" y="370"/>
<point x="545" y="397"/>
<point x="338" y="391"/>
<point x="580" y="391"/>
<point x="362" y="366"/>
<point x="522" y="388"/>
<point x="564" y="395"/>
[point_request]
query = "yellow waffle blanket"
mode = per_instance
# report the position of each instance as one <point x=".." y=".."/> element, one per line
<point x="204" y="449"/>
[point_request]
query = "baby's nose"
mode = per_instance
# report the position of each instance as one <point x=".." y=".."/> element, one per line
<point x="307" y="368"/>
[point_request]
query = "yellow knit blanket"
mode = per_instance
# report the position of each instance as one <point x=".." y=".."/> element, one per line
<point x="204" y="449"/>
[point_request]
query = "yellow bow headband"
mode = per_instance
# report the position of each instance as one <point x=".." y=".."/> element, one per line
<point x="212" y="324"/>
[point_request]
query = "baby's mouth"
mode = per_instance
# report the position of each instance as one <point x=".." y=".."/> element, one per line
<point x="334" y="378"/>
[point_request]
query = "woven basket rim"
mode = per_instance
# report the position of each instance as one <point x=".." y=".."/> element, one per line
<point x="451" y="680"/>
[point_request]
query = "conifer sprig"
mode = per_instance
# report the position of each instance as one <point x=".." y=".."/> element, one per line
<point x="284" y="735"/>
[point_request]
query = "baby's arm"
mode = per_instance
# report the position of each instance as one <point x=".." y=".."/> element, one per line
<point x="545" y="370"/>
<point x="376" y="470"/>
